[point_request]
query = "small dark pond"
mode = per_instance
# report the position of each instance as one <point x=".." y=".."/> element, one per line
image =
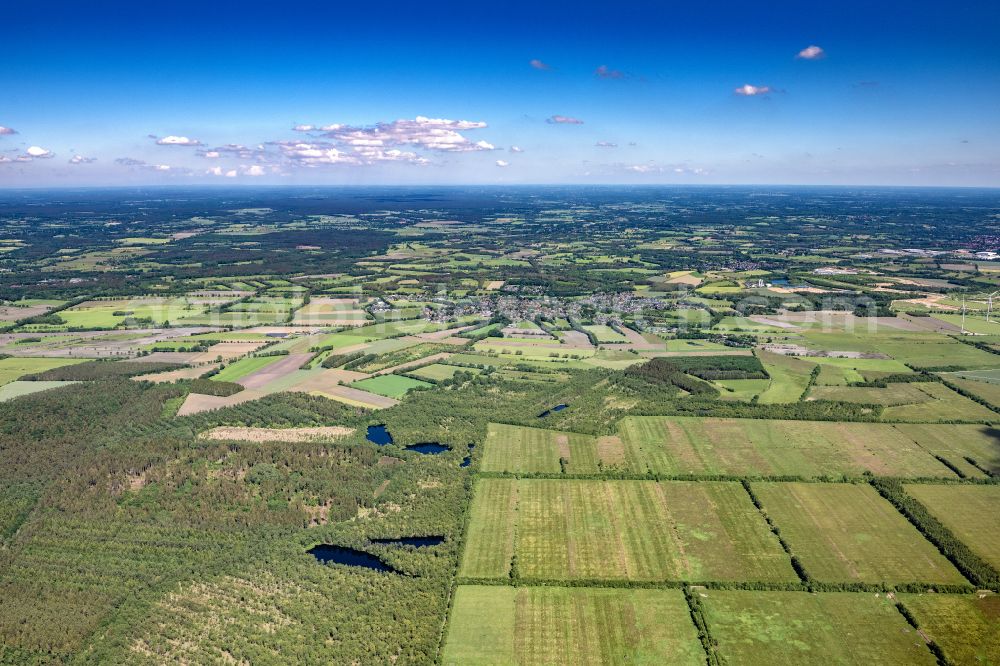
<point x="378" y="434"/>
<point x="467" y="460"/>
<point x="557" y="408"/>
<point x="354" y="558"/>
<point x="418" y="542"/>
<point x="429" y="448"/>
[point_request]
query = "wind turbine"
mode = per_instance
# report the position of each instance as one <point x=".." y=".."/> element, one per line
<point x="989" y="305"/>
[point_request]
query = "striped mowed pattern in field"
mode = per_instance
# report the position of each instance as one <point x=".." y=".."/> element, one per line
<point x="972" y="513"/>
<point x="804" y="628"/>
<point x="489" y="543"/>
<point x="845" y="532"/>
<point x="621" y="530"/>
<point x="512" y="448"/>
<point x="957" y="444"/>
<point x="695" y="445"/>
<point x="552" y="625"/>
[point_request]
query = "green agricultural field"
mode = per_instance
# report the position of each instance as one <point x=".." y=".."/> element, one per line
<point x="403" y="355"/>
<point x="965" y="627"/>
<point x="976" y="325"/>
<point x="937" y="354"/>
<point x="765" y="628"/>
<point x="510" y="448"/>
<point x="740" y="389"/>
<point x="706" y="446"/>
<point x="988" y="391"/>
<point x="571" y="625"/>
<point x="972" y="513"/>
<point x="391" y="386"/>
<point x="891" y="395"/>
<point x="789" y="377"/>
<point x="17" y="389"/>
<point x="16" y="367"/>
<point x="605" y="333"/>
<point x="702" y="346"/>
<point x="627" y="530"/>
<point x="489" y="542"/>
<point x="244" y="367"/>
<point x="958" y="444"/>
<point x="846" y="532"/>
<point x="941" y="404"/>
<point x="439" y="372"/>
<point x="985" y="376"/>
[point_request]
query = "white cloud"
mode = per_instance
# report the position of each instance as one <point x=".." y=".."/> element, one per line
<point x="643" y="168"/>
<point x="606" y="144"/>
<point x="812" y="52"/>
<point x="177" y="141"/>
<point x="748" y="90"/>
<point x="255" y="170"/>
<point x="39" y="153"/>
<point x="436" y="134"/>
<point x="80" y="159"/>
<point x="503" y="163"/>
<point x="303" y="128"/>
<point x="6" y="130"/>
<point x="605" y="72"/>
<point x="516" y="149"/>
<point x="538" y="64"/>
<point x="219" y="171"/>
<point x="563" y="120"/>
<point x="232" y="150"/>
<point x="141" y="164"/>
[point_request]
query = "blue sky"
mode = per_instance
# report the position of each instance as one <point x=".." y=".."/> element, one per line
<point x="117" y="93"/>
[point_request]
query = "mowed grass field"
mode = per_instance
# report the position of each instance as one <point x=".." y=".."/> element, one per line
<point x="846" y="532"/>
<point x="16" y="389"/>
<point x="958" y="444"/>
<point x="942" y="404"/>
<point x="244" y="367"/>
<point x="965" y="627"/>
<point x="789" y="377"/>
<point x="16" y="367"/>
<point x="391" y="386"/>
<point x="620" y="530"/>
<point x="755" y="627"/>
<point x="439" y="372"/>
<point x="933" y="353"/>
<point x="972" y="513"/>
<point x="984" y="390"/>
<point x="570" y="625"/>
<point x="695" y="445"/>
<point x="510" y="448"/>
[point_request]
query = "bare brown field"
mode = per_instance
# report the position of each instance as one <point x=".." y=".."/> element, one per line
<point x="319" y="433"/>
<point x="197" y="402"/>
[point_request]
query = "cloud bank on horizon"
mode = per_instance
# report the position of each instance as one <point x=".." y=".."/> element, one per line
<point x="725" y="94"/>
